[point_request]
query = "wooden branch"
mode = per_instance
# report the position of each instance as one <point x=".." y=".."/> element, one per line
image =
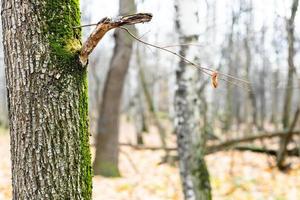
<point x="104" y="26"/>
<point x="218" y="147"/>
<point x="272" y="152"/>
<point x="228" y="144"/>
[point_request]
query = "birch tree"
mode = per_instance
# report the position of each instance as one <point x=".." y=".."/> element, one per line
<point x="193" y="171"/>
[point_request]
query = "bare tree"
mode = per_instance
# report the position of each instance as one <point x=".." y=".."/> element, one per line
<point x="290" y="28"/>
<point x="107" y="138"/>
<point x="247" y="43"/>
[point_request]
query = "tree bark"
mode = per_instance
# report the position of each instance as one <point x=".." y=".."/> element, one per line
<point x="47" y="96"/>
<point x="193" y="170"/>
<point x="107" y="138"/>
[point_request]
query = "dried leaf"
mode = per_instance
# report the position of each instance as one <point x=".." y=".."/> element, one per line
<point x="214" y="79"/>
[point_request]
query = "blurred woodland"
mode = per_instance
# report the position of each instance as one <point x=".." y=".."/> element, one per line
<point x="202" y="102"/>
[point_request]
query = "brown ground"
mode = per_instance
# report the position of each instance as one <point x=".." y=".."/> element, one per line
<point x="234" y="175"/>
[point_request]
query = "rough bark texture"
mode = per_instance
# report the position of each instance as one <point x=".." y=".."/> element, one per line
<point x="107" y="139"/>
<point x="47" y="95"/>
<point x="193" y="171"/>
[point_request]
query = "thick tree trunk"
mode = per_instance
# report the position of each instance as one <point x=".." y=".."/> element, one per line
<point x="107" y="139"/>
<point x="47" y="95"/>
<point x="193" y="171"/>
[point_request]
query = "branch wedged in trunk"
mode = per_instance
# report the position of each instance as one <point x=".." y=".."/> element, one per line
<point x="104" y="26"/>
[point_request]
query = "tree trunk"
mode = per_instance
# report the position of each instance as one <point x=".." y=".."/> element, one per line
<point x="47" y="95"/>
<point x="289" y="90"/>
<point x="262" y="76"/>
<point x="247" y="42"/>
<point x="107" y="139"/>
<point x="285" y="141"/>
<point x="251" y="93"/>
<point x="193" y="171"/>
<point x="290" y="27"/>
<point x="275" y="98"/>
<point x="150" y="104"/>
<point x="229" y="87"/>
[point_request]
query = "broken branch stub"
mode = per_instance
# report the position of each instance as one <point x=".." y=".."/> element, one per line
<point x="104" y="26"/>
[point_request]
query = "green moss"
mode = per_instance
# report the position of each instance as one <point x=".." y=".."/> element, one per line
<point x="108" y="170"/>
<point x="200" y="175"/>
<point x="61" y="17"/>
<point x="84" y="135"/>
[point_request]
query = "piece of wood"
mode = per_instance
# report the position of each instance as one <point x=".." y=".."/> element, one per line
<point x="104" y="26"/>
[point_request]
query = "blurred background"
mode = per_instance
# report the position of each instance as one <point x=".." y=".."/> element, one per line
<point x="252" y="40"/>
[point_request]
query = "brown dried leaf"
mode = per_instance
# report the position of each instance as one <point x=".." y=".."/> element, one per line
<point x="214" y="79"/>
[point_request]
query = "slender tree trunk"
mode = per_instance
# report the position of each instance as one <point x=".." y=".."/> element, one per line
<point x="193" y="171"/>
<point x="247" y="40"/>
<point x="107" y="138"/>
<point x="289" y="90"/>
<point x="47" y="96"/>
<point x="290" y="27"/>
<point x="229" y="86"/>
<point x="150" y="103"/>
<point x="262" y="77"/>
<point x="275" y="98"/>
<point x="138" y="115"/>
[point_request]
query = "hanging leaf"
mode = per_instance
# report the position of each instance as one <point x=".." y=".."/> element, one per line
<point x="214" y="79"/>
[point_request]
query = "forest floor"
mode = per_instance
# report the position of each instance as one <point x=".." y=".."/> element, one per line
<point x="234" y="175"/>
